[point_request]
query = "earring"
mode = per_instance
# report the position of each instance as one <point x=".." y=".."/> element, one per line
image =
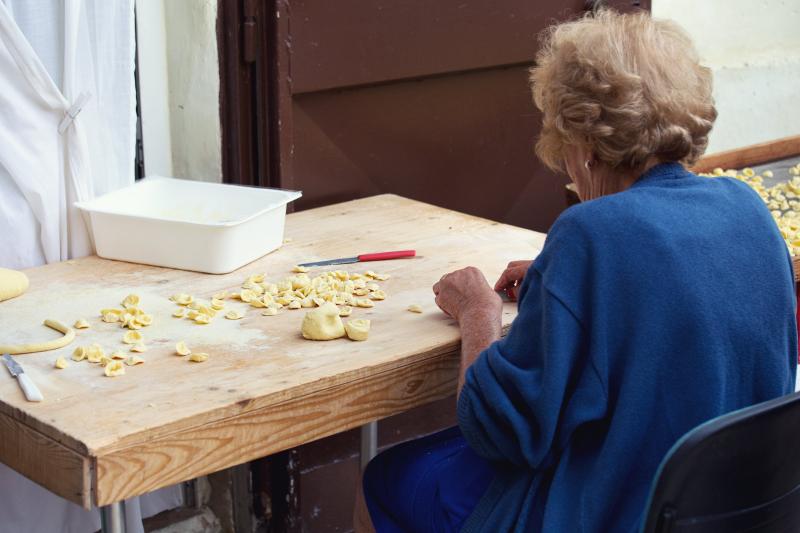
<point x="588" y="164"/>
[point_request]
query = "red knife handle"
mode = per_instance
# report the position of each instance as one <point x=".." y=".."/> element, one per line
<point x="383" y="256"/>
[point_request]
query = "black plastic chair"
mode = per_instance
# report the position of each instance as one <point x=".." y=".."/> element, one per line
<point x="739" y="472"/>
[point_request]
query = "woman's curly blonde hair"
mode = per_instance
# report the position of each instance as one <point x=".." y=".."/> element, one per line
<point x="626" y="86"/>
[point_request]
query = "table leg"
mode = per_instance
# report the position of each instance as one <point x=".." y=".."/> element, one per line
<point x="190" y="498"/>
<point x="369" y="442"/>
<point x="112" y="518"/>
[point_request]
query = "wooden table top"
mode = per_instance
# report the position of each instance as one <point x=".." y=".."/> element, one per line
<point x="97" y="440"/>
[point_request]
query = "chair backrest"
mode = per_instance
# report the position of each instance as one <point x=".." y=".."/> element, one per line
<point x="738" y="472"/>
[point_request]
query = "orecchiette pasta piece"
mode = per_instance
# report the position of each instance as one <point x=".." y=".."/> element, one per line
<point x="134" y="360"/>
<point x="247" y="295"/>
<point x="233" y="315"/>
<point x="79" y="354"/>
<point x="345" y="311"/>
<point x="414" y="308"/>
<point x="198" y="357"/>
<point x="182" y="299"/>
<point x="271" y="288"/>
<point x="81" y="323"/>
<point x="139" y="348"/>
<point x="202" y="319"/>
<point x="301" y="282"/>
<point x="94" y="353"/>
<point x="131" y="300"/>
<point x="182" y="349"/>
<point x="117" y="355"/>
<point x="114" y="368"/>
<point x="357" y="329"/>
<point x="208" y="311"/>
<point x="179" y="312"/>
<point x="132" y="337"/>
<point x="269" y="311"/>
<point x="61" y="363"/>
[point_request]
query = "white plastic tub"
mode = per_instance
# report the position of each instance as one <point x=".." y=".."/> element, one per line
<point x="191" y="225"/>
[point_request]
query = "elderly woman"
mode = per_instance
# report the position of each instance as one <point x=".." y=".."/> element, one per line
<point x="663" y="300"/>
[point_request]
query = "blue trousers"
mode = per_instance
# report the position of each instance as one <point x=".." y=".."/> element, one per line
<point x="430" y="484"/>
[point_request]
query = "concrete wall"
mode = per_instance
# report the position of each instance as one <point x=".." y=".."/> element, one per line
<point x="193" y="88"/>
<point x="753" y="47"/>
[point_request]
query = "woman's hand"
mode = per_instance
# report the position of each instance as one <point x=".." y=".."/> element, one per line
<point x="512" y="277"/>
<point x="464" y="291"/>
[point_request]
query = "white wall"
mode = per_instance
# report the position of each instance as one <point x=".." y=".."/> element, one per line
<point x="151" y="48"/>
<point x="193" y="88"/>
<point x="753" y="48"/>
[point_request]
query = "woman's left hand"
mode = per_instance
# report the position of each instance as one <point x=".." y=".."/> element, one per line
<point x="464" y="290"/>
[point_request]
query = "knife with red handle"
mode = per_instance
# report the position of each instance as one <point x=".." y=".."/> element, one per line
<point x="381" y="256"/>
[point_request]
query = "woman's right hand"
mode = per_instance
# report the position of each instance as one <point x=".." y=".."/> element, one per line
<point x="512" y="277"/>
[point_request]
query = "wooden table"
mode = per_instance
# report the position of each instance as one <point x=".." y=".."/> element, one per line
<point x="98" y="440"/>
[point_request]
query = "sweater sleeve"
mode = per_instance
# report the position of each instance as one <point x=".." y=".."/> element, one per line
<point x="526" y="394"/>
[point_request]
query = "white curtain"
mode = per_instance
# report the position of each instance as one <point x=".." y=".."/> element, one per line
<point x="67" y="133"/>
<point x="55" y="52"/>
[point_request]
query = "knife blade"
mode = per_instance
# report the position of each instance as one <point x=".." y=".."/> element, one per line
<point x="381" y="256"/>
<point x="30" y="389"/>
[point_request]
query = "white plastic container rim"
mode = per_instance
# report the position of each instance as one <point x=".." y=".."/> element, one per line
<point x="118" y="202"/>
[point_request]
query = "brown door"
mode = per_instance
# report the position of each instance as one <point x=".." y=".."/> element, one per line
<point x="424" y="99"/>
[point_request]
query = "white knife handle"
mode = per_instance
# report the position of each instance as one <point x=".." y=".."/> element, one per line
<point x="29" y="388"/>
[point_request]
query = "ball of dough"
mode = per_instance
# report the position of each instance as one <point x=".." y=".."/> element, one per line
<point x="357" y="329"/>
<point x="12" y="283"/>
<point x="323" y="324"/>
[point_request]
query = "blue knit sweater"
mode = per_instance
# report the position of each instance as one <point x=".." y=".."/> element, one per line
<point x="648" y="312"/>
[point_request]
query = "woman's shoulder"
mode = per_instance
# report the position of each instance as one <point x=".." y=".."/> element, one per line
<point x="649" y="215"/>
<point x="627" y="210"/>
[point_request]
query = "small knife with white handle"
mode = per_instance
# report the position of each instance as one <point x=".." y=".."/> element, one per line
<point x="30" y="389"/>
